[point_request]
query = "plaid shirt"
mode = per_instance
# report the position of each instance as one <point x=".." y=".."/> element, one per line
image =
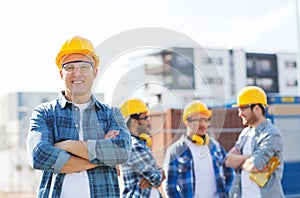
<point x="180" y="179"/>
<point x="59" y="120"/>
<point x="141" y="164"/>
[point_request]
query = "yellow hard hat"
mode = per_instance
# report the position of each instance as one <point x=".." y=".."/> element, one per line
<point x="251" y="95"/>
<point x="133" y="106"/>
<point x="194" y="107"/>
<point x="75" y="45"/>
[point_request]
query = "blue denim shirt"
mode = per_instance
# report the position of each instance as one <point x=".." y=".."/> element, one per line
<point x="267" y="142"/>
<point x="59" y="120"/>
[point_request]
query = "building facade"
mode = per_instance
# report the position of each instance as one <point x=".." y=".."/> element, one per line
<point x="175" y="76"/>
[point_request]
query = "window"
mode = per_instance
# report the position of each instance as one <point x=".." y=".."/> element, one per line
<point x="212" y="60"/>
<point x="263" y="66"/>
<point x="268" y="84"/>
<point x="262" y="71"/>
<point x="177" y="68"/>
<point x="291" y="83"/>
<point x="178" y="72"/>
<point x="290" y="64"/>
<point x="214" y="80"/>
<point x="250" y="64"/>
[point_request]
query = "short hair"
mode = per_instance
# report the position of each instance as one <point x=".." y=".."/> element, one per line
<point x="262" y="107"/>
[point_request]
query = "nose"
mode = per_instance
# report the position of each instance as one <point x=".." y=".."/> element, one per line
<point x="77" y="71"/>
<point x="240" y="113"/>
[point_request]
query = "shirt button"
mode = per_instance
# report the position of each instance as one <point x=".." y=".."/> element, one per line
<point x="76" y="125"/>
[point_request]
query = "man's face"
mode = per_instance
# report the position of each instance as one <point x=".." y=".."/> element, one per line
<point x="247" y="114"/>
<point x="78" y="75"/>
<point x="143" y="123"/>
<point x="197" y="123"/>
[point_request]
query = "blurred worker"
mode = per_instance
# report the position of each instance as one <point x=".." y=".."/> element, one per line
<point x="259" y="142"/>
<point x="140" y="174"/>
<point x="195" y="163"/>
<point x="66" y="135"/>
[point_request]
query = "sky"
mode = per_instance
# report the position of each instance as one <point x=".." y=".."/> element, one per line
<point x="33" y="31"/>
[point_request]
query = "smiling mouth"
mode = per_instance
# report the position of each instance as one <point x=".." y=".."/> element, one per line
<point x="77" y="81"/>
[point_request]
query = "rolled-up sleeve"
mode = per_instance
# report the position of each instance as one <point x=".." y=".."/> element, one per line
<point x="269" y="145"/>
<point x="144" y="163"/>
<point x="41" y="153"/>
<point x="111" y="151"/>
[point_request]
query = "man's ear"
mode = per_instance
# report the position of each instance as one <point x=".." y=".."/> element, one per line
<point x="96" y="72"/>
<point x="61" y="74"/>
<point x="257" y="108"/>
<point x="134" y="121"/>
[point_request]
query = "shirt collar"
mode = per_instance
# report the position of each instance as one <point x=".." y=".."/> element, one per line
<point x="262" y="125"/>
<point x="63" y="100"/>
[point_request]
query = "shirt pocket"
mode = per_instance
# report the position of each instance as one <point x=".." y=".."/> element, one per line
<point x="69" y="134"/>
<point x="93" y="130"/>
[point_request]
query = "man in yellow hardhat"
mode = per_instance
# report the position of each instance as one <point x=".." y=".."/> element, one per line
<point x="77" y="140"/>
<point x="140" y="174"/>
<point x="258" y="150"/>
<point x="194" y="164"/>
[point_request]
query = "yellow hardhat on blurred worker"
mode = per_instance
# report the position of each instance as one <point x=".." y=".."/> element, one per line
<point x="251" y="95"/>
<point x="133" y="106"/>
<point x="194" y="107"/>
<point x="136" y="106"/>
<point x="75" y="45"/>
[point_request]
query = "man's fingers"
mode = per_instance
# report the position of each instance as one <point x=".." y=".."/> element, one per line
<point x="144" y="183"/>
<point x="112" y="134"/>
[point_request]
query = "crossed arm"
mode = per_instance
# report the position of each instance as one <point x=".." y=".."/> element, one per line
<point x="79" y="160"/>
<point x="144" y="183"/>
<point x="237" y="160"/>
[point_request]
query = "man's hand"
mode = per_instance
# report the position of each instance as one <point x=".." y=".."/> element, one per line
<point x="163" y="175"/>
<point x="111" y="134"/>
<point x="249" y="166"/>
<point x="235" y="150"/>
<point x="144" y="183"/>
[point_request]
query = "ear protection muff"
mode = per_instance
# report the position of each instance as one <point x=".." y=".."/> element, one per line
<point x="147" y="138"/>
<point x="197" y="139"/>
